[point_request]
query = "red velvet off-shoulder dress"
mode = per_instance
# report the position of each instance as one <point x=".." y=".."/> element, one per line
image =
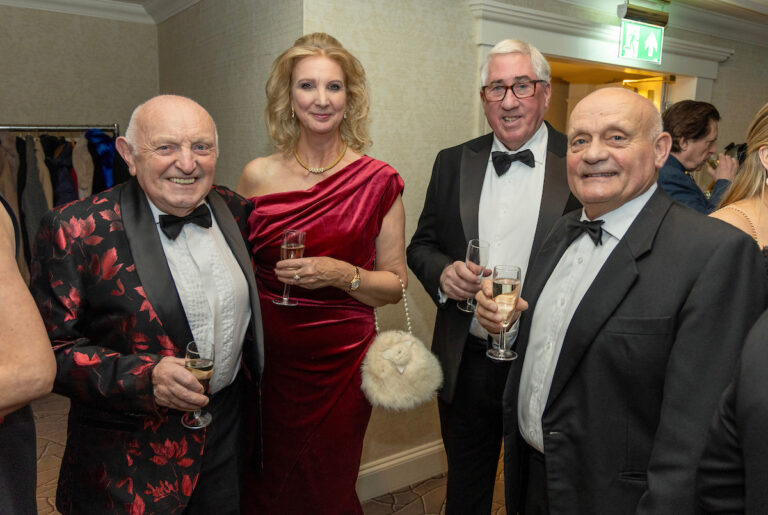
<point x="314" y="415"/>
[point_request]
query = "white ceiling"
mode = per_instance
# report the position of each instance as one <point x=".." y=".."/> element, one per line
<point x="745" y="9"/>
<point x="752" y="10"/>
<point x="156" y="11"/>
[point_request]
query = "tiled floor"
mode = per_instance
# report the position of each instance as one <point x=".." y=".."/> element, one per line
<point x="425" y="497"/>
<point x="51" y="421"/>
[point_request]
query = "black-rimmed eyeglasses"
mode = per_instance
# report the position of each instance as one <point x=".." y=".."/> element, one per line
<point x="497" y="92"/>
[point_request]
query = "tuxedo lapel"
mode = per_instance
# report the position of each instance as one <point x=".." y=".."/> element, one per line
<point x="474" y="162"/>
<point x="151" y="264"/>
<point x="551" y="251"/>
<point x="608" y="290"/>
<point x="234" y="239"/>
<point x="555" y="192"/>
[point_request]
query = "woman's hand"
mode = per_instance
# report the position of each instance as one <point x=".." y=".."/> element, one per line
<point x="315" y="272"/>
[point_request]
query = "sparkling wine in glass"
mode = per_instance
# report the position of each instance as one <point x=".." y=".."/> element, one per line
<point x="199" y="361"/>
<point x="506" y="291"/>
<point x="292" y="247"/>
<point x="477" y="254"/>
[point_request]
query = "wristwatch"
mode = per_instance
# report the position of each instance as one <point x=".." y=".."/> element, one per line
<point x="354" y="284"/>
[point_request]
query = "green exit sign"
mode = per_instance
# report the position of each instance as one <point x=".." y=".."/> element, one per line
<point x="641" y="41"/>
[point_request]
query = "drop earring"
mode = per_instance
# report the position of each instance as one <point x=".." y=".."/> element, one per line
<point x="345" y="115"/>
<point x="292" y="113"/>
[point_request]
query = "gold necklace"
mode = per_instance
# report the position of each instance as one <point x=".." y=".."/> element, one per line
<point x="318" y="171"/>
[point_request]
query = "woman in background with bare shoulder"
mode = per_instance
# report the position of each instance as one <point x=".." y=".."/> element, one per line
<point x="27" y="369"/>
<point x="745" y="203"/>
<point x="349" y="206"/>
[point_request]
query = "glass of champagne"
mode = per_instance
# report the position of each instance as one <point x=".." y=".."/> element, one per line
<point x="199" y="361"/>
<point x="477" y="254"/>
<point x="292" y="247"/>
<point x="506" y="291"/>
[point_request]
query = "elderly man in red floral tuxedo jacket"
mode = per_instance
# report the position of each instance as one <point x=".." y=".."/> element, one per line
<point x="122" y="296"/>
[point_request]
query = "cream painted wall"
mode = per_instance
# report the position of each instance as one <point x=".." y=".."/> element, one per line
<point x="220" y="52"/>
<point x="61" y="69"/>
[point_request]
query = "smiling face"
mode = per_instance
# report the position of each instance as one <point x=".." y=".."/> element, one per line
<point x="174" y="153"/>
<point x="612" y="157"/>
<point x="514" y="120"/>
<point x="318" y="94"/>
<point x="694" y="152"/>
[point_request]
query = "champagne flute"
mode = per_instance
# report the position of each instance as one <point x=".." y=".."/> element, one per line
<point x="506" y="291"/>
<point x="292" y="247"/>
<point x="477" y="253"/>
<point x="199" y="361"/>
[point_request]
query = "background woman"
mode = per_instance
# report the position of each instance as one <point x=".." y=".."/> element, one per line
<point x="744" y="203"/>
<point x="349" y="204"/>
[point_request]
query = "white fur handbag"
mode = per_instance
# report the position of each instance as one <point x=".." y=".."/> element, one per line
<point x="398" y="371"/>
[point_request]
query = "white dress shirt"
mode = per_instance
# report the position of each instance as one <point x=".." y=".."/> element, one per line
<point x="555" y="307"/>
<point x="509" y="208"/>
<point x="213" y="291"/>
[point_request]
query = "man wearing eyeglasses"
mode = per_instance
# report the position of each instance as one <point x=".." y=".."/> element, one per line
<point x="508" y="188"/>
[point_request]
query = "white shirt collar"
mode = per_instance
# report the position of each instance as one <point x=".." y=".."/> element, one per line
<point x="618" y="221"/>
<point x="156" y="211"/>
<point x="537" y="144"/>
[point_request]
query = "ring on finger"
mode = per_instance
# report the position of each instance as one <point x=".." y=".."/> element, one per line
<point x="296" y="276"/>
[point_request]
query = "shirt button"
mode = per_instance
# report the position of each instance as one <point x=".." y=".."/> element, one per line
<point x="580" y="260"/>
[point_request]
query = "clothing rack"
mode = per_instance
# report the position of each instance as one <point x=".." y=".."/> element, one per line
<point x="115" y="128"/>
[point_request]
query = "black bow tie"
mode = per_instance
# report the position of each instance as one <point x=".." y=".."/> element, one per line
<point x="502" y="160"/>
<point x="593" y="229"/>
<point x="171" y="225"/>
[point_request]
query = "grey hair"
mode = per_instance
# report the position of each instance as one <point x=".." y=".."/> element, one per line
<point x="515" y="46"/>
<point x="130" y="131"/>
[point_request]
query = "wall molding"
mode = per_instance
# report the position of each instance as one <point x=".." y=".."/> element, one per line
<point x="402" y="469"/>
<point x="147" y="12"/>
<point x="696" y="19"/>
<point x="574" y="38"/>
<point x="161" y="10"/>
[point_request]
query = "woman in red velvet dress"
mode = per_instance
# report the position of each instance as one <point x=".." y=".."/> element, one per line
<point x="314" y="414"/>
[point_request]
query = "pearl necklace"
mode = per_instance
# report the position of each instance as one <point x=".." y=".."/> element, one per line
<point x="318" y="171"/>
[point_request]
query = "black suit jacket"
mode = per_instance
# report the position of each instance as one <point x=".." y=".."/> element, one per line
<point x="449" y="220"/>
<point x="107" y="296"/>
<point x="733" y="475"/>
<point x="645" y="357"/>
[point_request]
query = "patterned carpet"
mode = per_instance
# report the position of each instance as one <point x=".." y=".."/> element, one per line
<point x="423" y="498"/>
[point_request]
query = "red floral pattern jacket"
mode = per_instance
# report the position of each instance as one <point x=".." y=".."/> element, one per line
<point x="111" y="309"/>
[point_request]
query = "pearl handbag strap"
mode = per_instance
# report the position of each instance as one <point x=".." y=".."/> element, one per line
<point x="405" y="304"/>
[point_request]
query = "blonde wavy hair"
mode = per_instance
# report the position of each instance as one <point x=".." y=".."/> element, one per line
<point x="750" y="180"/>
<point x="283" y="129"/>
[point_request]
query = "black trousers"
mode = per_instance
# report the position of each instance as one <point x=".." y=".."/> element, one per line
<point x="471" y="426"/>
<point x="220" y="482"/>
<point x="18" y="463"/>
